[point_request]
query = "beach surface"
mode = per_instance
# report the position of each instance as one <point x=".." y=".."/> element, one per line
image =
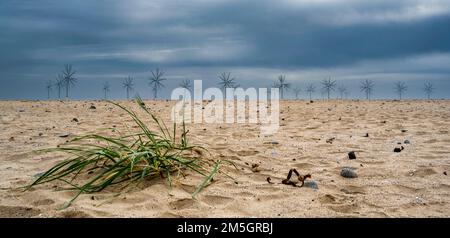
<point x="313" y="138"/>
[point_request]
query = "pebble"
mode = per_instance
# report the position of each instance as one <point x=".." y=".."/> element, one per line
<point x="92" y="107"/>
<point x="366" y="135"/>
<point x="407" y="142"/>
<point x="397" y="150"/>
<point x="348" y="173"/>
<point x="311" y="184"/>
<point x="64" y="135"/>
<point x="351" y="155"/>
<point x="39" y="174"/>
<point x="445" y="173"/>
<point x="404" y="130"/>
<point x="74" y="120"/>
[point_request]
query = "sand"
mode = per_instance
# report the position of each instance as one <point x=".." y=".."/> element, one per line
<point x="411" y="183"/>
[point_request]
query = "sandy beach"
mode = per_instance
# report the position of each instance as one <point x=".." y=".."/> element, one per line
<point x="313" y="138"/>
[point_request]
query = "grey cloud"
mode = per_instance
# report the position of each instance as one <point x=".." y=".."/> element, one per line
<point x="119" y="38"/>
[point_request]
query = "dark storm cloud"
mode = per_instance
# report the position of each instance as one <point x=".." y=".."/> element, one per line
<point x="118" y="38"/>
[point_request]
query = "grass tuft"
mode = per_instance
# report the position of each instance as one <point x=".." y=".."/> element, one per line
<point x="99" y="161"/>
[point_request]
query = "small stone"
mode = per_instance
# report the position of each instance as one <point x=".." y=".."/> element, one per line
<point x="366" y="135"/>
<point x="40" y="134"/>
<point x="445" y="173"/>
<point x="21" y="110"/>
<point x="348" y="173"/>
<point x="64" y="135"/>
<point x="311" y="184"/>
<point x="74" y="120"/>
<point x="404" y="130"/>
<point x="351" y="155"/>
<point x="39" y="174"/>
<point x="11" y="138"/>
<point x="397" y="150"/>
<point x="92" y="107"/>
<point x="407" y="142"/>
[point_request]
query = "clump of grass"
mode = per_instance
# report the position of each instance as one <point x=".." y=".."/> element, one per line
<point x="101" y="161"/>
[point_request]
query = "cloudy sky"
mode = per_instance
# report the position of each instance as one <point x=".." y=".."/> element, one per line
<point x="307" y="40"/>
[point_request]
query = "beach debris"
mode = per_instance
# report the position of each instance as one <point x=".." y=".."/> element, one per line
<point x="397" y="150"/>
<point x="92" y="107"/>
<point x="269" y="180"/>
<point x="407" y="142"/>
<point x="351" y="155"/>
<point x="64" y="135"/>
<point x="330" y="140"/>
<point x="300" y="177"/>
<point x="255" y="168"/>
<point x="75" y="119"/>
<point x="272" y="143"/>
<point x="348" y="173"/>
<point x="420" y="200"/>
<point x="311" y="184"/>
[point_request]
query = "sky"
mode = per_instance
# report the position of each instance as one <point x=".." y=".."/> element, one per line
<point x="305" y="40"/>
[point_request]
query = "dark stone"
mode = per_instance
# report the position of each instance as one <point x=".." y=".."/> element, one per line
<point x="348" y="173"/>
<point x="92" y="107"/>
<point x="64" y="135"/>
<point x="366" y="135"/>
<point x="74" y="120"/>
<point x="311" y="184"/>
<point x="445" y="173"/>
<point x="40" y="134"/>
<point x="404" y="130"/>
<point x="397" y="150"/>
<point x="351" y="155"/>
<point x="407" y="142"/>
